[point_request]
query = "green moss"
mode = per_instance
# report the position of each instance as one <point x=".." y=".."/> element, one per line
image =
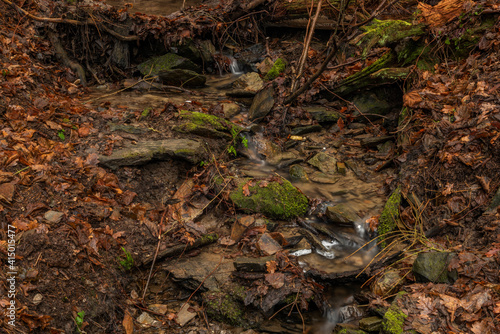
<point x="166" y="62"/>
<point x="277" y="199"/>
<point x="390" y="214"/>
<point x="278" y="68"/>
<point x="206" y="125"/>
<point x="393" y="321"/>
<point x="209" y="238"/>
<point x="224" y="308"/>
<point x="350" y="331"/>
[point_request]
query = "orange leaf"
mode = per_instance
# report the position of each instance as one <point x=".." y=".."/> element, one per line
<point x="128" y="323"/>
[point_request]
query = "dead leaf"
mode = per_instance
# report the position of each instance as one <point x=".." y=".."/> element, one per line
<point x="7" y="191"/>
<point x="128" y="323"/>
<point x="412" y="99"/>
<point x="271" y="266"/>
<point x="276" y="280"/>
<point x="246" y="191"/>
<point x="451" y="304"/>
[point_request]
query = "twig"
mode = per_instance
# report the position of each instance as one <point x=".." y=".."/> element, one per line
<point x="333" y="51"/>
<point x="303" y="57"/>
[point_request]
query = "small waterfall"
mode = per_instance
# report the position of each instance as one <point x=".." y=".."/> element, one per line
<point x="234" y="67"/>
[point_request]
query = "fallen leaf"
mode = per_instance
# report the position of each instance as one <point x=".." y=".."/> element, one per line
<point x="276" y="280"/>
<point x="128" y="323"/>
<point x="7" y="191"/>
<point x="271" y="266"/>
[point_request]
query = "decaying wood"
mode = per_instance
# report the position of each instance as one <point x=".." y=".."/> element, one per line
<point x="61" y="53"/>
<point x="443" y="12"/>
<point x="204" y="240"/>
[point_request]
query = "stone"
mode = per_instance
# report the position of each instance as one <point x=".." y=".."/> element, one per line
<point x="207" y="50"/>
<point x="158" y="308"/>
<point x="297" y="173"/>
<point x="230" y="109"/>
<point x="205" y="125"/>
<point x="143" y="152"/>
<point x="433" y="267"/>
<point x="182" y="78"/>
<point x="146" y="320"/>
<point x="53" y="217"/>
<point x="341" y="214"/>
<point x="185" y="315"/>
<point x="240" y="226"/>
<point x="37" y="299"/>
<point x="267" y="245"/>
<point x="371" y="103"/>
<point x="387" y="283"/>
<point x="169" y="61"/>
<point x="249" y="82"/>
<point x="276" y="199"/>
<point x="262" y="104"/>
<point x="252" y="264"/>
<point x="323" y="114"/>
<point x="347" y="329"/>
<point x="394" y="319"/>
<point x="199" y="270"/>
<point x="349" y="313"/>
<point x="265" y="66"/>
<point x="341" y="168"/>
<point x="324" y="162"/>
<point x="374" y="141"/>
<point x="302" y="130"/>
<point x="370" y="324"/>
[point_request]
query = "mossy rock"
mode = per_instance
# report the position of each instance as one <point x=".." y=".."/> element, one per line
<point x="390" y="215"/>
<point x="277" y="199"/>
<point x="168" y="61"/>
<point x="182" y="78"/>
<point x="278" y="68"/>
<point x="222" y="307"/>
<point x="206" y="125"/>
<point x="433" y="266"/>
<point x="394" y="318"/>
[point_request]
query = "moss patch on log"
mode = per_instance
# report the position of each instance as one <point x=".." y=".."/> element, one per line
<point x="390" y="214"/>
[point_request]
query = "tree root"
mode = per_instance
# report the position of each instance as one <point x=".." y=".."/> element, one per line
<point x="61" y="53"/>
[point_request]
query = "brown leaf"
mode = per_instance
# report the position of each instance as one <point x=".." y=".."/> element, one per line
<point x="7" y="191"/>
<point x="412" y="99"/>
<point x="451" y="304"/>
<point x="271" y="266"/>
<point x="276" y="280"/>
<point x="128" y="323"/>
<point x="246" y="191"/>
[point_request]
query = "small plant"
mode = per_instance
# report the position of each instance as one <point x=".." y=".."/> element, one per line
<point x="128" y="262"/>
<point x="61" y="135"/>
<point x="79" y="320"/>
<point x="146" y="112"/>
<point x="237" y="137"/>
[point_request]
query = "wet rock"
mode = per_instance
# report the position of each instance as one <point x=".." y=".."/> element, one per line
<point x="191" y="272"/>
<point x="323" y="114"/>
<point x="349" y="313"/>
<point x="53" y="217"/>
<point x="302" y="130"/>
<point x="348" y="329"/>
<point x="297" y="173"/>
<point x="146" y="320"/>
<point x="262" y="104"/>
<point x="433" y="266"/>
<point x="324" y="162"/>
<point x="390" y="214"/>
<point x="182" y="78"/>
<point x="146" y="151"/>
<point x="267" y="245"/>
<point x="230" y="109"/>
<point x="276" y="199"/>
<point x="169" y="61"/>
<point x="283" y="159"/>
<point x="240" y="226"/>
<point x="387" y="283"/>
<point x="185" y="315"/>
<point x="249" y="82"/>
<point x="252" y="264"/>
<point x="223" y="307"/>
<point x="320" y="177"/>
<point x="370" y="324"/>
<point x="127" y="128"/>
<point x="206" y="125"/>
<point x="341" y="214"/>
